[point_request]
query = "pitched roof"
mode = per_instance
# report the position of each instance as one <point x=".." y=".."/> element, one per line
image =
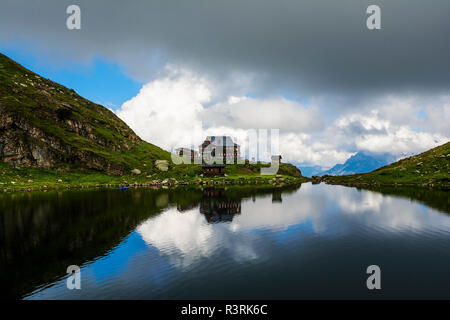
<point x="220" y="141"/>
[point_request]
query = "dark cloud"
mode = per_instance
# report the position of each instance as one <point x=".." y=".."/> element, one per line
<point x="295" y="47"/>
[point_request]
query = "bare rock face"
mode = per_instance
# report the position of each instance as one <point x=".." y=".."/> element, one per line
<point x="46" y="125"/>
<point x="24" y="145"/>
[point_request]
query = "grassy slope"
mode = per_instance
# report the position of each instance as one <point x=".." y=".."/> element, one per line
<point x="429" y="168"/>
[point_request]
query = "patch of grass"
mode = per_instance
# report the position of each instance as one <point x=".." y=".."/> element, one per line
<point x="249" y="169"/>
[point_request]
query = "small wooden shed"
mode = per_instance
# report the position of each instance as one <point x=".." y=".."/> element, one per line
<point x="212" y="170"/>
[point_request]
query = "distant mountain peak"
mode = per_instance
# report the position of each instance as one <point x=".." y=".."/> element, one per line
<point x="309" y="171"/>
<point x="361" y="162"/>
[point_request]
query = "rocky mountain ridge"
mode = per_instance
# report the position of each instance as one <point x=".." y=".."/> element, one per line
<point x="46" y="125"/>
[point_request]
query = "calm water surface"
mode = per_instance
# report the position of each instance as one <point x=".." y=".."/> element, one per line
<point x="313" y="241"/>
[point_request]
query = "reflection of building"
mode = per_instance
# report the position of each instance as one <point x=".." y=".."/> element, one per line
<point x="217" y="207"/>
<point x="276" y="196"/>
<point x="186" y="207"/>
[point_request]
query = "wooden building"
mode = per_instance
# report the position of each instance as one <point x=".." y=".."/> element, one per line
<point x="186" y="152"/>
<point x="276" y="158"/>
<point x="220" y="149"/>
<point x="212" y="170"/>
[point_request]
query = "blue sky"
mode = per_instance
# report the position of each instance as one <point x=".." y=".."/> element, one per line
<point x="100" y="80"/>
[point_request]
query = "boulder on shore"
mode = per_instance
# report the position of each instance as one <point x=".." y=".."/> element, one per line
<point x="135" y="171"/>
<point x="162" y="165"/>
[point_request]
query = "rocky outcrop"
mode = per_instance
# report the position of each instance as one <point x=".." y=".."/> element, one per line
<point x="25" y="145"/>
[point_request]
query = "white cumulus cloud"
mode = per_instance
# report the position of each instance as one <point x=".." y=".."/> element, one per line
<point x="376" y="134"/>
<point x="180" y="108"/>
<point x="166" y="112"/>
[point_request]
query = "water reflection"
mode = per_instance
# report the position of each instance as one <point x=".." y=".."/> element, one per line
<point x="43" y="233"/>
<point x="194" y="243"/>
<point x="216" y="207"/>
<point x="276" y="196"/>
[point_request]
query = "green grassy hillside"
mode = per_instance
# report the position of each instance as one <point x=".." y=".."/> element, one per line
<point x="46" y="125"/>
<point x="429" y="168"/>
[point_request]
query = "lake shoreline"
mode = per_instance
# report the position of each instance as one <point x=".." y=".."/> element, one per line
<point x="395" y="184"/>
<point x="170" y="183"/>
<point x="224" y="181"/>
